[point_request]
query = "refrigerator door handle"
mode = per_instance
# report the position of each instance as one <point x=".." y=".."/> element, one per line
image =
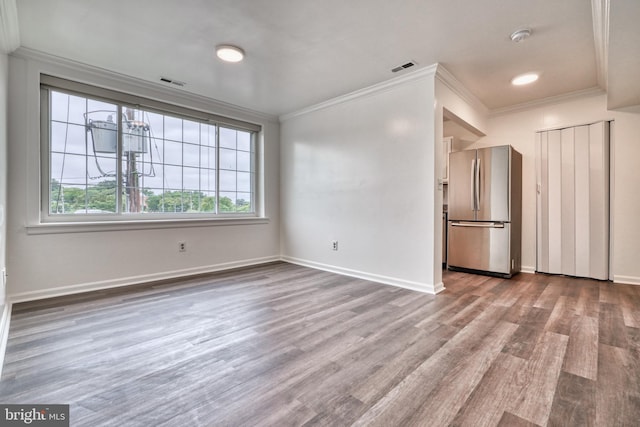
<point x="476" y="190"/>
<point x="472" y="184"/>
<point x="477" y="224"/>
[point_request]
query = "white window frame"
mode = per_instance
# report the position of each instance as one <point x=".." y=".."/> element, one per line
<point x="122" y="220"/>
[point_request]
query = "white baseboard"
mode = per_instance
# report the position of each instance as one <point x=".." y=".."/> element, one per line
<point x="527" y="269"/>
<point x="627" y="280"/>
<point x="4" y="332"/>
<point x="407" y="284"/>
<point x="135" y="280"/>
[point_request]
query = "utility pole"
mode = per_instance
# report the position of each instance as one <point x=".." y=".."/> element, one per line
<point x="132" y="189"/>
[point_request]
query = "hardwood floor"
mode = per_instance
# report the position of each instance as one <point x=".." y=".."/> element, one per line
<point x="281" y="345"/>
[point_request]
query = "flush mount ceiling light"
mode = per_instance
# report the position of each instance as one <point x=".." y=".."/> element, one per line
<point x="229" y="53"/>
<point x="524" y="79"/>
<point x="521" y="34"/>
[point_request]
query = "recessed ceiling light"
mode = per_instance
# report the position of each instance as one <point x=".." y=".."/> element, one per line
<point x="229" y="53"/>
<point x="524" y="79"/>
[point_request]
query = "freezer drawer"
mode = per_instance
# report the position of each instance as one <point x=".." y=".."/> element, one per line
<point x="480" y="246"/>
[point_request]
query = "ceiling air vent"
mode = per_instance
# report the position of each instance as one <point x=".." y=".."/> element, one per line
<point x="173" y="82"/>
<point x="403" y="66"/>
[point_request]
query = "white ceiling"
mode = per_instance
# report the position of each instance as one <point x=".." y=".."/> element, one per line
<point x="301" y="52"/>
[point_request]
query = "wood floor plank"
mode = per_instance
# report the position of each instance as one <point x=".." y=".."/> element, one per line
<point x="280" y="344"/>
<point x="562" y="316"/>
<point x="574" y="402"/>
<point x="510" y="420"/>
<point x="487" y="403"/>
<point x="540" y="379"/>
<point x="612" y="330"/>
<point x="523" y="342"/>
<point x="550" y="295"/>
<point x="618" y="387"/>
<point x="581" y="357"/>
<point x="588" y="302"/>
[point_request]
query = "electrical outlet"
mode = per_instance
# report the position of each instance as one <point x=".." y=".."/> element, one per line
<point x="182" y="246"/>
<point x="334" y="245"/>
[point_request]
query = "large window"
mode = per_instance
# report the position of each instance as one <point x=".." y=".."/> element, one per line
<point x="107" y="158"/>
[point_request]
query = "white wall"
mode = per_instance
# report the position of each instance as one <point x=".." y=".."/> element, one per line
<point x="518" y="129"/>
<point x="451" y="95"/>
<point x="4" y="86"/>
<point x="361" y="170"/>
<point x="41" y="265"/>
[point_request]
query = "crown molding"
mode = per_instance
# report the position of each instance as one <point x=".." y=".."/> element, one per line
<point x="459" y="89"/>
<point x="600" y="10"/>
<point x="9" y="29"/>
<point x="585" y="93"/>
<point x="379" y="87"/>
<point x="70" y="68"/>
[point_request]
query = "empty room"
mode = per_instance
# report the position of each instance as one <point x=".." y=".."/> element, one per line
<point x="306" y="213"/>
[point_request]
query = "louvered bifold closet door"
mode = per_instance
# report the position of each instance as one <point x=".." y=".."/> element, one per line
<point x="572" y="175"/>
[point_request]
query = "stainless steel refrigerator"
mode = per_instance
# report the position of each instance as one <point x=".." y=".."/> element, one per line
<point x="485" y="211"/>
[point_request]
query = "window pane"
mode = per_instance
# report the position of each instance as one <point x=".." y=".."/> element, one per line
<point x="227" y="201"/>
<point x="227" y="138"/>
<point x="156" y="180"/>
<point x="244" y="161"/>
<point x="68" y="108"/>
<point x="153" y="199"/>
<point x="173" y="177"/>
<point x="99" y="167"/>
<point x="68" y="138"/>
<point x="207" y="135"/>
<point x="67" y="199"/>
<point x="191" y="179"/>
<point x="244" y="182"/>
<point x="243" y="202"/>
<point x="208" y="179"/>
<point x="101" y="197"/>
<point x="208" y="157"/>
<point x="227" y="181"/>
<point x="191" y="131"/>
<point x="191" y="154"/>
<point x="172" y="153"/>
<point x="244" y="141"/>
<point x="172" y="128"/>
<point x="95" y="105"/>
<point x="69" y="168"/>
<point x="156" y="124"/>
<point x="208" y="201"/>
<point x="227" y="159"/>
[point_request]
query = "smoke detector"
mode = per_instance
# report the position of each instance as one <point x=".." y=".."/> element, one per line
<point x="521" y="34"/>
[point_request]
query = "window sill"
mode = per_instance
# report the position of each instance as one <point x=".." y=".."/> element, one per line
<point x="97" y="226"/>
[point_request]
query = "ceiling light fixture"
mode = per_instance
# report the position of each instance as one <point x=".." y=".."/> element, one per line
<point x="229" y="53"/>
<point x="524" y="79"/>
<point x="521" y="34"/>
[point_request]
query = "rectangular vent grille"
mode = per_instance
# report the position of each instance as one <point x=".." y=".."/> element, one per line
<point x="403" y="66"/>
<point x="171" y="81"/>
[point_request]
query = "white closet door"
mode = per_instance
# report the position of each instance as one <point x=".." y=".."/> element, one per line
<point x="572" y="171"/>
<point x="599" y="208"/>
<point x="582" y="194"/>
<point x="554" y="203"/>
<point x="568" y="202"/>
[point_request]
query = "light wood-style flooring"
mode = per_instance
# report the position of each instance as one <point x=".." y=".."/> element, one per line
<point x="284" y="345"/>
